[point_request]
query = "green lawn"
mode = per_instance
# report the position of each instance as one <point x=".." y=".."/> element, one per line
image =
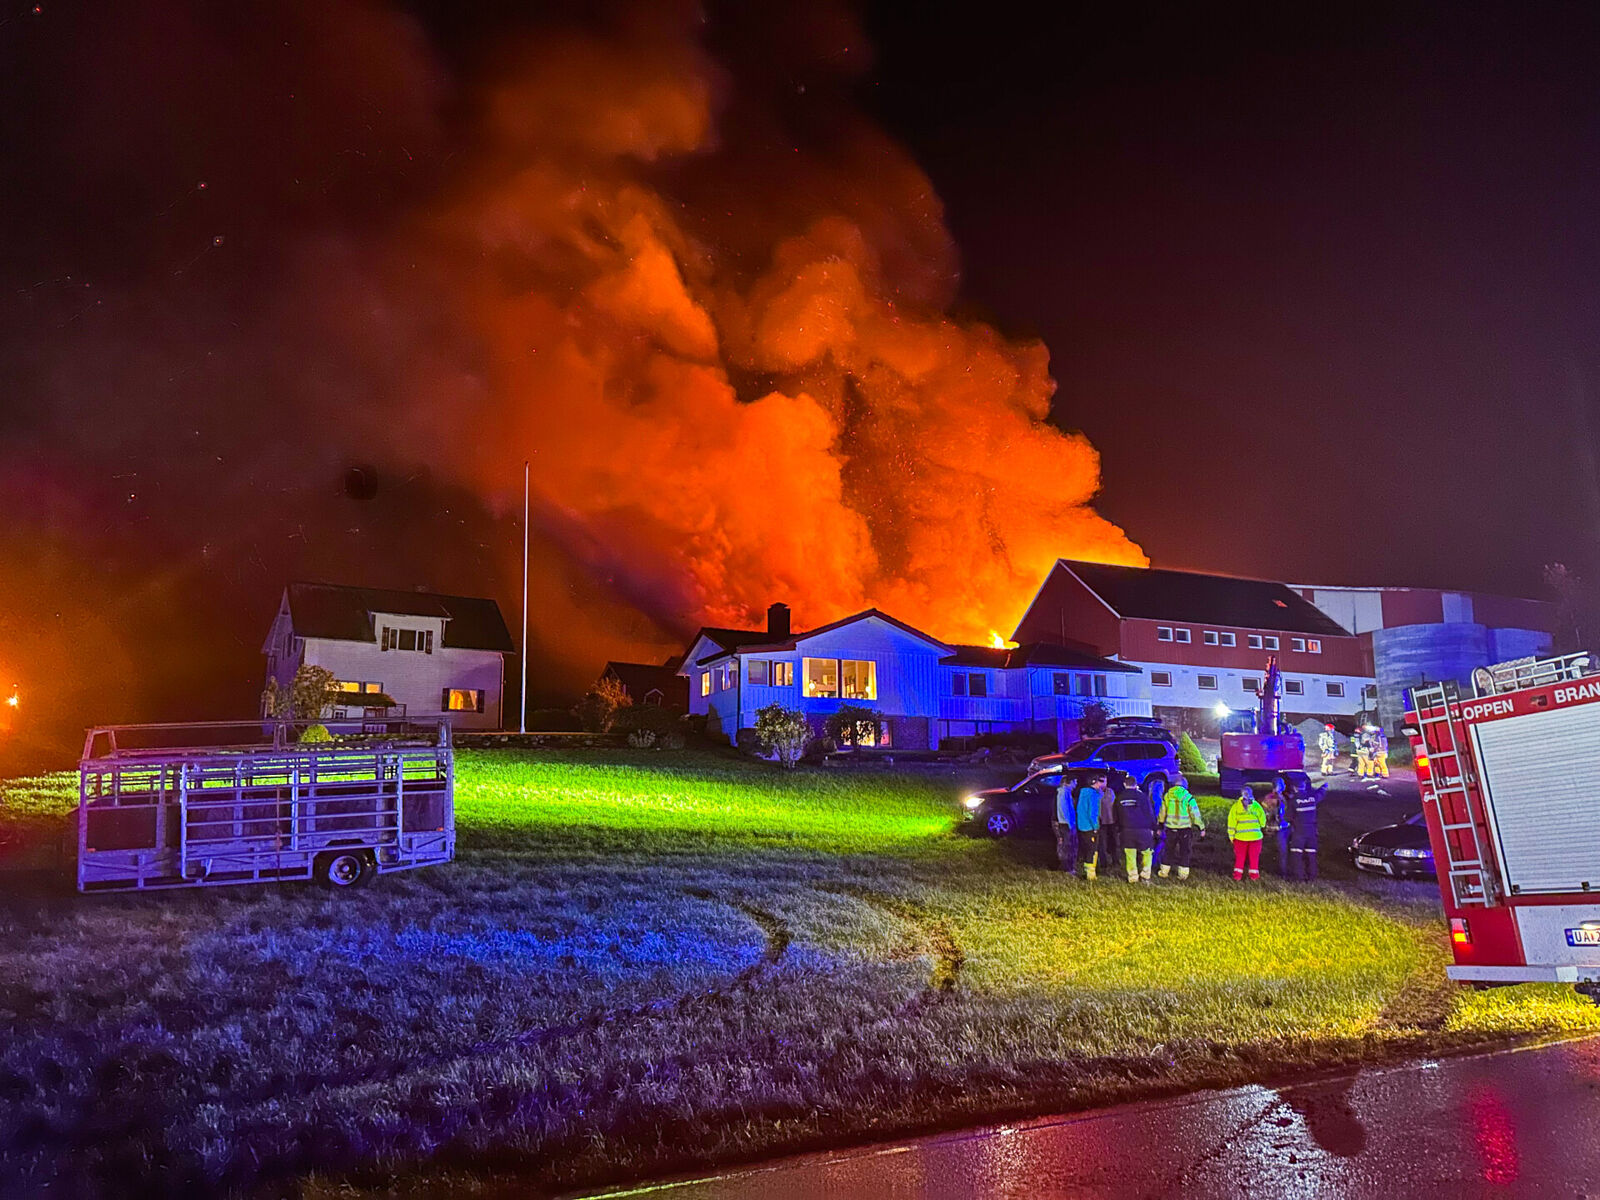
<point x="648" y="963"/>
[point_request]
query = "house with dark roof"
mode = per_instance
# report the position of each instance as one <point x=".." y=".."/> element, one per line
<point x="658" y="684"/>
<point x="1204" y="640"/>
<point x="928" y="691"/>
<point x="417" y="654"/>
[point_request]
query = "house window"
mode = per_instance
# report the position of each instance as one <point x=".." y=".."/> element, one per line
<point x="1294" y="687"/>
<point x="958" y="683"/>
<point x="859" y="678"/>
<point x="705" y="683"/>
<point x="1298" y="644"/>
<point x="1160" y="678"/>
<point x="783" y="674"/>
<point x="1099" y="685"/>
<point x="1271" y="640"/>
<point x="1313" y="646"/>
<point x="1206" y="682"/>
<point x="1163" y="633"/>
<point x="1209" y="636"/>
<point x="1228" y="639"/>
<point x="1252" y="684"/>
<point x="729" y="674"/>
<point x="655" y="698"/>
<point x="821" y="676"/>
<point x="407" y="639"/>
<point x="757" y="672"/>
<point x="1061" y="683"/>
<point x="461" y="700"/>
<point x="1181" y="635"/>
<point x="1084" y="685"/>
<point x="368" y="687"/>
<point x="1334" y="689"/>
<point x="977" y="684"/>
<point x="1254" y="641"/>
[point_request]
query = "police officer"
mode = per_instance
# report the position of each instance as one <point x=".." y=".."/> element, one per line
<point x="1302" y="814"/>
<point x="1136" y="829"/>
<point x="1180" y="818"/>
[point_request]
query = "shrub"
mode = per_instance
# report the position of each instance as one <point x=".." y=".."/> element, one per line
<point x="1094" y="719"/>
<point x="749" y="741"/>
<point x="785" y="730"/>
<point x="315" y="733"/>
<point x="642" y="739"/>
<point x="853" y="724"/>
<point x="305" y="699"/>
<point x="1190" y="760"/>
<point x="597" y="711"/>
<point x="673" y="740"/>
<point x="648" y="717"/>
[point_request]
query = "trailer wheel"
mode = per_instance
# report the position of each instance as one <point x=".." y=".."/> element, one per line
<point x="344" y="870"/>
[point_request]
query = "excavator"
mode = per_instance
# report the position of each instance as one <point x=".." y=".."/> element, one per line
<point x="1267" y="747"/>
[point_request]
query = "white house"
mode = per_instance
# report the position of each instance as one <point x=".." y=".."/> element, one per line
<point x="434" y="655"/>
<point x="927" y="690"/>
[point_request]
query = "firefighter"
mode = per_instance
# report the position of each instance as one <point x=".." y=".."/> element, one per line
<point x="1327" y="745"/>
<point x="1088" y="823"/>
<point x="1247" y="823"/>
<point x="1136" y="829"/>
<point x="1065" y="822"/>
<point x="1380" y="753"/>
<point x="1360" y="758"/>
<point x="1181" y="820"/>
<point x="1302" y="814"/>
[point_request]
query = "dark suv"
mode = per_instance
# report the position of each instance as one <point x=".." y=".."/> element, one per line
<point x="1153" y="762"/>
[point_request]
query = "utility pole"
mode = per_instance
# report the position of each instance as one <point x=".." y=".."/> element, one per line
<point x="522" y="723"/>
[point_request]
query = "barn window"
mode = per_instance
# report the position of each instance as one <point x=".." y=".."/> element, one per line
<point x="1294" y="687"/>
<point x="1160" y="678"/>
<point x="1335" y="689"/>
<point x="1206" y="682"/>
<point x="1255" y="641"/>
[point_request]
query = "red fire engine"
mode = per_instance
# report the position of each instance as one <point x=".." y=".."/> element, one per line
<point x="1510" y="782"/>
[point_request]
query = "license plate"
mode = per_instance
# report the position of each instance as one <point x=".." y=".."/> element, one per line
<point x="1583" y="937"/>
<point x="1364" y="861"/>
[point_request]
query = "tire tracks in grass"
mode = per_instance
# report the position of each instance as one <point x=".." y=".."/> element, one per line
<point x="934" y="938"/>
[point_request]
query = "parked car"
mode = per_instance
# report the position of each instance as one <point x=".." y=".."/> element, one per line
<point x="1024" y="806"/>
<point x="1401" y="851"/>
<point x="1140" y="727"/>
<point x="1153" y="762"/>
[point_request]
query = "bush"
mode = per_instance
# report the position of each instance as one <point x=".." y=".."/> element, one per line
<point x="1094" y="719"/>
<point x="749" y="741"/>
<point x="853" y="724"/>
<point x="315" y="733"/>
<point x="674" y="740"/>
<point x="648" y="717"/>
<point x="597" y="711"/>
<point x="785" y="730"/>
<point x="1190" y="760"/>
<point x="642" y="739"/>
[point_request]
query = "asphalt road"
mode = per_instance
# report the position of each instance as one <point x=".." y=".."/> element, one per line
<point x="1513" y="1123"/>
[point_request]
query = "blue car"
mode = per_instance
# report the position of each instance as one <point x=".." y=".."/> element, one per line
<point x="1152" y="761"/>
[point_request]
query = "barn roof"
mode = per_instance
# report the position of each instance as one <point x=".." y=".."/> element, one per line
<point x="1150" y="593"/>
<point x="341" y="613"/>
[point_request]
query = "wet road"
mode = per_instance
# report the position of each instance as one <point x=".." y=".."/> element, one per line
<point x="1519" y="1123"/>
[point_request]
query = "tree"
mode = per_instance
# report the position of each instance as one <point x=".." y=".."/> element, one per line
<point x="597" y="711"/>
<point x="785" y="730"/>
<point x="306" y="698"/>
<point x="1190" y="760"/>
<point x="854" y="725"/>
<point x="1094" y="719"/>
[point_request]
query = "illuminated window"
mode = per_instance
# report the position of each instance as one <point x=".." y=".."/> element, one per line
<point x="345" y="685"/>
<point x="461" y="700"/>
<point x="1298" y="644"/>
<point x="1163" y="633"/>
<point x="368" y="687"/>
<point x="1335" y="689"/>
<point x="1206" y="682"/>
<point x="1209" y="636"/>
<point x="1228" y="639"/>
<point x="1062" y="684"/>
<point x="859" y="678"/>
<point x="1160" y="678"/>
<point x="705" y="683"/>
<point x="757" y="671"/>
<point x="783" y="674"/>
<point x="1255" y="641"/>
<point x="1313" y="646"/>
<point x="821" y="676"/>
<point x="1181" y="635"/>
<point x="1294" y="687"/>
<point x="1271" y="641"/>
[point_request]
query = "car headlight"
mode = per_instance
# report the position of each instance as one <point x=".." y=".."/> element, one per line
<point x="972" y="802"/>
<point x="1411" y="854"/>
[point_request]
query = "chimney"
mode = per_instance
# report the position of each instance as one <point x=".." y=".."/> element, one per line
<point x="778" y="620"/>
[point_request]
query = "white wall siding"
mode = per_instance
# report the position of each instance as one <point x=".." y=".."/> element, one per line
<point x="416" y="679"/>
<point x="1186" y="692"/>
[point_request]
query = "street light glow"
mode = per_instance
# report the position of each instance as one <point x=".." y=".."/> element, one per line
<point x="1222" y="709"/>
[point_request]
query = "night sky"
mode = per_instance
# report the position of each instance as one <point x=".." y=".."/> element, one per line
<point x="289" y="290"/>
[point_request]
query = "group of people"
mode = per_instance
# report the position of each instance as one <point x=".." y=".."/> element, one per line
<point x="1369" y="751"/>
<point x="1108" y="816"/>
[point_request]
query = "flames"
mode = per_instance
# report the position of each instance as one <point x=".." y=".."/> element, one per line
<point x="733" y="365"/>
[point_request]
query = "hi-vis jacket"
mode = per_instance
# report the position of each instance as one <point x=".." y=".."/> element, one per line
<point x="1247" y="820"/>
<point x="1180" y="810"/>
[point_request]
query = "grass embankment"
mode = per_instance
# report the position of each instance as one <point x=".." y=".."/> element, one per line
<point x="652" y="963"/>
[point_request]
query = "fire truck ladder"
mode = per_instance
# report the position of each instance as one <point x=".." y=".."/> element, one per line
<point x="1471" y="882"/>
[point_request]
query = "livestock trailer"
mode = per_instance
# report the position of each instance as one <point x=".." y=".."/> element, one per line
<point x="163" y="806"/>
<point x="1510" y="782"/>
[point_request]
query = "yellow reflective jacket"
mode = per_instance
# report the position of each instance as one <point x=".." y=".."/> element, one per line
<point x="1180" y="810"/>
<point x="1246" y="820"/>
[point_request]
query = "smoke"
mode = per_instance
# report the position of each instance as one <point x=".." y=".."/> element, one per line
<point x="664" y="259"/>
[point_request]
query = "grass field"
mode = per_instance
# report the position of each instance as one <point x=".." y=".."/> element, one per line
<point x="645" y="964"/>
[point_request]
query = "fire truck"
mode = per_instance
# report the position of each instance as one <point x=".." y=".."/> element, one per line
<point x="1510" y="782"/>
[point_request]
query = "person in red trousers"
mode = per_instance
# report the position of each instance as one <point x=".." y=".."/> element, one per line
<point x="1247" y="825"/>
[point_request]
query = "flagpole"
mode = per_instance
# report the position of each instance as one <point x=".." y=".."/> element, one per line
<point x="522" y="724"/>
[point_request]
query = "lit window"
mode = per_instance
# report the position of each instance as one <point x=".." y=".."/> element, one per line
<point x="1228" y="639"/>
<point x="1272" y="641"/>
<point x="1298" y="644"/>
<point x="1062" y="684"/>
<point x="1255" y="641"/>
<point x="757" y="671"/>
<point x="1163" y="633"/>
<point x="1335" y="689"/>
<point x="859" y="679"/>
<point x="1313" y="646"/>
<point x="1160" y="678"/>
<point x="1206" y="682"/>
<point x="1293" y="687"/>
<point x="821" y="676"/>
<point x="1252" y="684"/>
<point x="1209" y="636"/>
<point x="977" y="684"/>
<point x="958" y="683"/>
<point x="783" y="674"/>
<point x="346" y="686"/>
<point x="461" y="700"/>
<point x="1181" y="635"/>
<point x="705" y="683"/>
